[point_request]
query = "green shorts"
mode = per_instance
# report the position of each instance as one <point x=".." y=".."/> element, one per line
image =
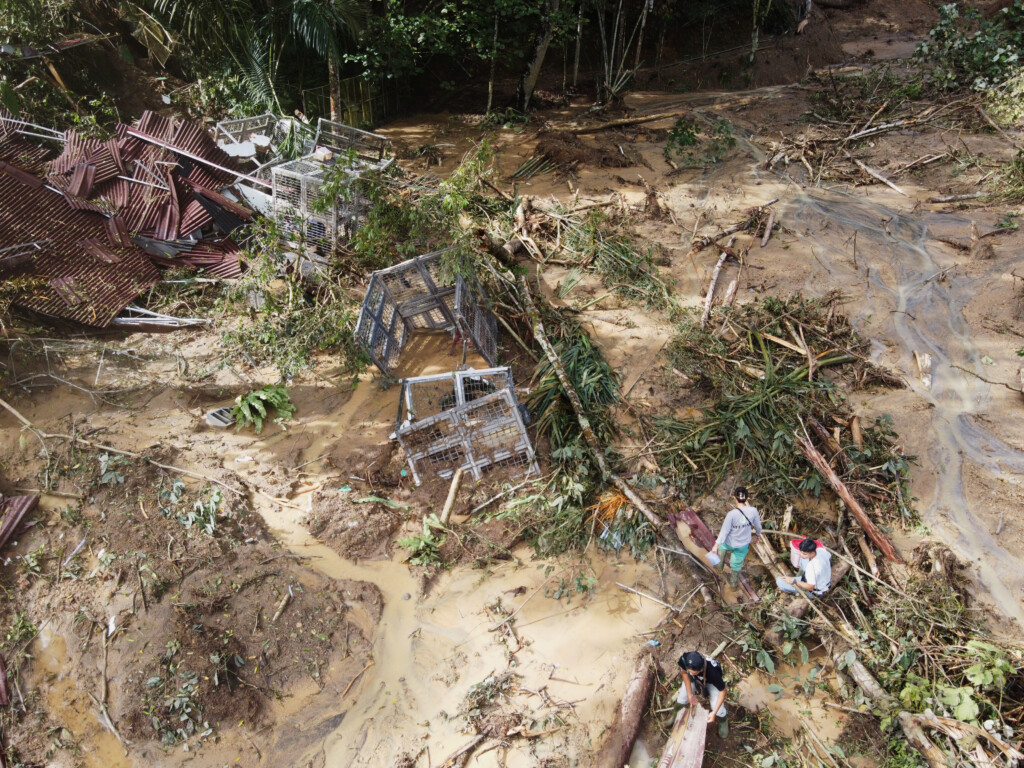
<point x="736" y="556"/>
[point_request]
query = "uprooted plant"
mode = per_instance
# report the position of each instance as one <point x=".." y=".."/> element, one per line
<point x="768" y="369"/>
<point x="253" y="408"/>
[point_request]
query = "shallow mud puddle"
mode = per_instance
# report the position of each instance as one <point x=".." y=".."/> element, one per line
<point x="54" y="674"/>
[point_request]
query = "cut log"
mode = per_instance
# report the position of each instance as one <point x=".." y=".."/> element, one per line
<point x="630" y="715"/>
<point x="701" y="535"/>
<point x="685" y="745"/>
<point x="865" y="522"/>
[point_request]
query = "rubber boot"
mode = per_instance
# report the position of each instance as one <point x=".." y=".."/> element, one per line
<point x="723" y="727"/>
<point x="734" y="579"/>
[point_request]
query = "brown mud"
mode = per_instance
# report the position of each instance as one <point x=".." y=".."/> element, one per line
<point x="406" y="646"/>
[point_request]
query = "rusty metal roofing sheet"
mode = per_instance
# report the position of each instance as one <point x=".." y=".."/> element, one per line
<point x="87" y="290"/>
<point x="76" y="150"/>
<point x="94" y="247"/>
<point x="82" y="178"/>
<point x="117" y="232"/>
<point x="194" y="217"/>
<point x="18" y="151"/>
<point x="6" y="169"/>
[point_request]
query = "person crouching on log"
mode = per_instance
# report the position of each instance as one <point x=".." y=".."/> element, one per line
<point x="815" y="572"/>
<point x="739" y="528"/>
<point x="700" y="676"/>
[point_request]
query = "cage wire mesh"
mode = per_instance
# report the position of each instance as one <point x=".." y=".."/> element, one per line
<point x="412" y="296"/>
<point x="469" y="420"/>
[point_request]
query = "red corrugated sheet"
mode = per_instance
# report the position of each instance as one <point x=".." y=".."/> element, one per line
<point x="82" y="288"/>
<point x="82" y="178"/>
<point x="99" y="195"/>
<point x="14" y="509"/>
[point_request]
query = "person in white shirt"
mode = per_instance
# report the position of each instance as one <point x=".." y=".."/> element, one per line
<point x="739" y="528"/>
<point x="815" y="571"/>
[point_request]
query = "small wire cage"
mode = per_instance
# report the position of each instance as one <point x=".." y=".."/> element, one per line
<point x="469" y="420"/>
<point x="412" y="296"/>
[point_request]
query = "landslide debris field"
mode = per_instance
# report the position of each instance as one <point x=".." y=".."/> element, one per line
<point x="809" y="289"/>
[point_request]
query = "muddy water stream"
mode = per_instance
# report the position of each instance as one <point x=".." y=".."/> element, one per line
<point x="927" y="315"/>
<point x="429" y="649"/>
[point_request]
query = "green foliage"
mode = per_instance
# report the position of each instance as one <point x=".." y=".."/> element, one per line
<point x="251" y="409"/>
<point x="109" y="468"/>
<point x="967" y="51"/>
<point x="203" y="514"/>
<point x="623" y="267"/>
<point x="694" y="146"/>
<point x="1006" y="101"/>
<point x="760" y="395"/>
<point x="594" y="380"/>
<point x="20" y="632"/>
<point x="426" y="549"/>
<point x="1013" y="179"/>
<point x="290" y="323"/>
<point x="900" y="754"/>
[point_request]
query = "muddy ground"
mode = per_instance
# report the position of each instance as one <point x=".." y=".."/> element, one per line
<point x="298" y="623"/>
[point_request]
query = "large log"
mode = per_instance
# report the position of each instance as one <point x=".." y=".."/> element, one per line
<point x="848" y="498"/>
<point x="615" y="751"/>
<point x="802" y="606"/>
<point x="705" y="539"/>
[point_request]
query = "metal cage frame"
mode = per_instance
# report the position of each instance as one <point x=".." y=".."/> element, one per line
<point x="469" y="420"/>
<point x="411" y="296"/>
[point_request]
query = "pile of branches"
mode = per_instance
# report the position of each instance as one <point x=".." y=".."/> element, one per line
<point x="770" y="372"/>
<point x="827" y="150"/>
<point x="591" y="238"/>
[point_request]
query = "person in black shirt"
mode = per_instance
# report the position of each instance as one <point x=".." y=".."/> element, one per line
<point x="704" y="676"/>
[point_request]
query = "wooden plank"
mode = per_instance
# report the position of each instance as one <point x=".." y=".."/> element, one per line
<point x="685" y="745"/>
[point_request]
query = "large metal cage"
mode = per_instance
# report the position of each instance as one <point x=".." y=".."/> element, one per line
<point x="412" y="296"/>
<point x="367" y="149"/>
<point x="297" y="186"/>
<point x="469" y="420"/>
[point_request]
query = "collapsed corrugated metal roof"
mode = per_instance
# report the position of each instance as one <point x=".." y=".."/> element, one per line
<point x="89" y="279"/>
<point x="94" y="221"/>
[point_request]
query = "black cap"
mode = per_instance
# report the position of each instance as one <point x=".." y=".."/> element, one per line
<point x="691" y="660"/>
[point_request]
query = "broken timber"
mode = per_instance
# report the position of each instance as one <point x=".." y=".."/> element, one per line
<point x="574" y="399"/>
<point x="701" y="535"/>
<point x="623" y="732"/>
<point x="819" y="462"/>
<point x="685" y="745"/>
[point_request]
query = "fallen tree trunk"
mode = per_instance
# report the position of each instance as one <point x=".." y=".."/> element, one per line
<point x="627" y="121"/>
<point x="574" y="399"/>
<point x="848" y="498"/>
<point x="630" y="715"/>
<point x="701" y="535"/>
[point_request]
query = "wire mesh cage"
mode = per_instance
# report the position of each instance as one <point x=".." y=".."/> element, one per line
<point x="469" y="420"/>
<point x="368" y="148"/>
<point x="412" y="296"/>
<point x="297" y="186"/>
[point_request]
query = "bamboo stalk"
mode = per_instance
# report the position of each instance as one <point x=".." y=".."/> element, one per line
<point x="574" y="399"/>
